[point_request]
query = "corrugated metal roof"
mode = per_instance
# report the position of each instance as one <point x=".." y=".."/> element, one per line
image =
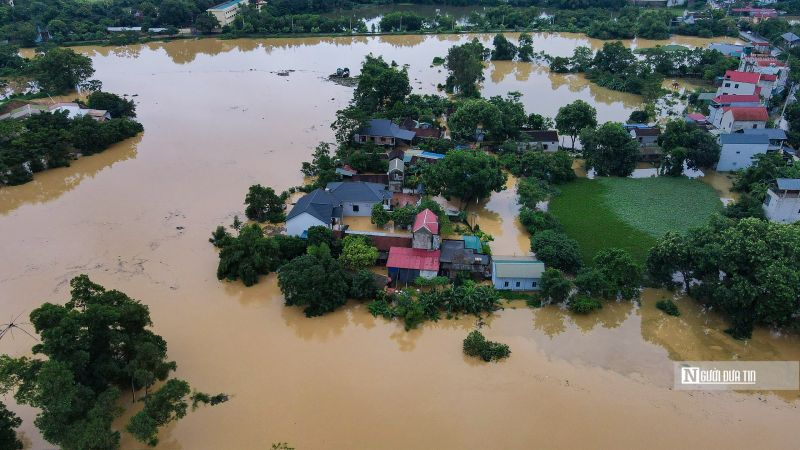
<point x="741" y="138"/>
<point x="772" y="133"/>
<point x="319" y="203"/>
<point x="358" y="191"/>
<point x="385" y="127"/>
<point x="789" y="184"/>
<point x="526" y="267"/>
<point x="748" y="113"/>
<point x="473" y="242"/>
<point x="413" y="258"/>
<point x="428" y="220"/>
<point x="741" y="77"/>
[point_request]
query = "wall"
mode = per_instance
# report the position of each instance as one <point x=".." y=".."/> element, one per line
<point x="422" y="239"/>
<point x="728" y="125"/>
<point x="364" y="209"/>
<point x="738" y="156"/>
<point x="298" y="224"/>
<point x="785" y="209"/>
<point x="525" y="284"/>
<point x="734" y="88"/>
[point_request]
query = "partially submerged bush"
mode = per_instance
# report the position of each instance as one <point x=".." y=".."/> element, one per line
<point x="584" y="305"/>
<point x="669" y="307"/>
<point x="476" y="344"/>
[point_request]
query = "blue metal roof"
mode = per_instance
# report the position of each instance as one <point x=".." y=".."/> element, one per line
<point x="789" y="184"/>
<point x="226" y="5"/>
<point x="431" y="155"/>
<point x="473" y="242"/>
<point x="772" y="133"/>
<point x="741" y="138"/>
<point x="385" y="127"/>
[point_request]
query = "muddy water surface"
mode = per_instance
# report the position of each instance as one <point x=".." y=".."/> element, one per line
<point x="218" y="119"/>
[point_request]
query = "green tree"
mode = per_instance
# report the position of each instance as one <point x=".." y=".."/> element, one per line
<point x="476" y="345"/>
<point x="315" y="281"/>
<point x="357" y="253"/>
<point x="464" y="64"/>
<point x="8" y="422"/>
<point x="247" y="256"/>
<point x="166" y="405"/>
<point x="620" y="271"/>
<point x="467" y="174"/>
<point x="322" y="166"/>
<point x="525" y="51"/>
<point x="504" y="50"/>
<point x="206" y="22"/>
<point x="702" y="149"/>
<point x="60" y="70"/>
<point x="403" y="217"/>
<point x="264" y="205"/>
<point x="380" y="216"/>
<point x="574" y="117"/>
<point x="472" y="115"/>
<point x="555" y="287"/>
<point x="114" y="104"/>
<point x="380" y="86"/>
<point x="557" y="250"/>
<point x="539" y="122"/>
<point x="362" y="285"/>
<point x="177" y="13"/>
<point x="610" y="150"/>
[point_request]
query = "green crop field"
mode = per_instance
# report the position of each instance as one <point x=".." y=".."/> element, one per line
<point x="631" y="213"/>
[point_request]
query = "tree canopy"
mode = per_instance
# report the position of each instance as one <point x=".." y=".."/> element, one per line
<point x="315" y="281"/>
<point x="264" y="205"/>
<point x="610" y="150"/>
<point x="464" y="64"/>
<point x="574" y="117"/>
<point x="467" y="174"/>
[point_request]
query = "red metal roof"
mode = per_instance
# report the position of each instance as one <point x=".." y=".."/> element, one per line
<point x="730" y="98"/>
<point x="428" y="220"/>
<point x="752" y="113"/>
<point x="768" y="77"/>
<point x="697" y="117"/>
<point x="741" y="77"/>
<point x="767" y="62"/>
<point x="413" y="258"/>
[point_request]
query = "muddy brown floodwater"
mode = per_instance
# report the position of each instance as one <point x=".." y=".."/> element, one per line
<point x="218" y="118"/>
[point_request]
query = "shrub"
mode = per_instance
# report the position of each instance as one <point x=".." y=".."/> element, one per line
<point x="476" y="345"/>
<point x="669" y="307"/>
<point x="584" y="305"/>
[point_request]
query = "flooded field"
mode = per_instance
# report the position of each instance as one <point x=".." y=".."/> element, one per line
<point x="218" y="118"/>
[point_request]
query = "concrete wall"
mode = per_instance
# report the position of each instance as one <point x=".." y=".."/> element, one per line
<point x="738" y="156"/>
<point x="422" y="239"/>
<point x="364" y="209"/>
<point x="728" y="125"/>
<point x="729" y="87"/>
<point x="525" y="284"/>
<point x="298" y="224"/>
<point x="777" y="209"/>
<point x="545" y="146"/>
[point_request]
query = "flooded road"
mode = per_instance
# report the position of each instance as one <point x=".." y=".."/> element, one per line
<point x="218" y="118"/>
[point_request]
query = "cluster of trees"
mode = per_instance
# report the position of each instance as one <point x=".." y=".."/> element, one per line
<point x="747" y="269"/>
<point x="53" y="70"/>
<point x="476" y="345"/>
<point x="686" y="144"/>
<point x="505" y="50"/>
<point x="93" y="347"/>
<point x="48" y="140"/>
<point x="264" y="205"/>
<point x="413" y="310"/>
<point x="497" y="119"/>
<point x="613" y="275"/>
<point x="464" y="64"/>
<point x="469" y="175"/>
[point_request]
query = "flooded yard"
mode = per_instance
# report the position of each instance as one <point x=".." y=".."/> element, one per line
<point x="218" y="119"/>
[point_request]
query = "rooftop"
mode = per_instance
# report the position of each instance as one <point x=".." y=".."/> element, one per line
<point x="741" y="138"/>
<point x="772" y="133"/>
<point x="541" y="135"/>
<point x="473" y="242"/>
<point x="654" y="131"/>
<point x="385" y="127"/>
<point x="413" y="258"/>
<point x="788" y="184"/>
<point x="319" y="203"/>
<point x="790" y="37"/>
<point x="426" y="219"/>
<point x="733" y="98"/>
<point x="358" y="191"/>
<point x="742" y="77"/>
<point x="517" y="267"/>
<point x="226" y="5"/>
<point x="748" y="113"/>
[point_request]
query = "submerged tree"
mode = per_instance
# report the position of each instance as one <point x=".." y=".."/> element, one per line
<point x="264" y="205"/>
<point x="464" y="64"/>
<point x="574" y="117"/>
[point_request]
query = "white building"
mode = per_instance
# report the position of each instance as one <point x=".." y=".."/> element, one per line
<point x="720" y="103"/>
<point x="738" y="150"/>
<point x="739" y="83"/>
<point x="227" y="12"/>
<point x="326" y="207"/>
<point x="783" y="201"/>
<point x="737" y="118"/>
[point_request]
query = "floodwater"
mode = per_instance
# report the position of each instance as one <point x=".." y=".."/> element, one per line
<point x="218" y="118"/>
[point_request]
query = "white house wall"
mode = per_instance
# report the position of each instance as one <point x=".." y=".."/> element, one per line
<point x="298" y="224"/>
<point x="738" y="156"/>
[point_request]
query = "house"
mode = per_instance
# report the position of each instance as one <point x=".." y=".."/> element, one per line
<point x="459" y="255"/>
<point x="520" y="273"/>
<point x="738" y="150"/>
<point x="317" y="208"/>
<point x="777" y="137"/>
<point x="425" y="231"/>
<point x="755" y="14"/>
<point x="396" y="173"/>
<point x="73" y="110"/>
<point x="736" y="118"/>
<point x="383" y="132"/>
<point x="404" y="265"/>
<point x="326" y="207"/>
<point x="790" y="40"/>
<point x="738" y="83"/>
<point x="346" y="171"/>
<point x="226" y="12"/>
<point x="782" y="203"/>
<point x="760" y="45"/>
<point x="731" y="50"/>
<point x="358" y="197"/>
<point x="719" y="102"/>
<point x="774" y="73"/>
<point x="422" y="130"/>
<point x="546" y="140"/>
<point x="646" y="136"/>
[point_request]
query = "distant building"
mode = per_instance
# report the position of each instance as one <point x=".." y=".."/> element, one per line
<point x="738" y="83"/>
<point x="790" y="40"/>
<point x="226" y="12"/>
<point x="357" y="197"/>
<point x="397" y="173"/>
<point x="738" y="149"/>
<point x="718" y="104"/>
<point x="422" y="130"/>
<point x="383" y="132"/>
<point x="73" y="110"/>
<point x="731" y="50"/>
<point x="777" y="137"/>
<point x="463" y="255"/>
<point x="646" y="136"/>
<point x="737" y="118"/>
<point x="521" y="273"/>
<point x="425" y="231"/>
<point x="545" y="140"/>
<point x="782" y="203"/>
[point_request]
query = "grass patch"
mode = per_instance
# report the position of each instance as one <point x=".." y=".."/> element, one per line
<point x="661" y="204"/>
<point x="582" y="209"/>
<point x="631" y="213"/>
